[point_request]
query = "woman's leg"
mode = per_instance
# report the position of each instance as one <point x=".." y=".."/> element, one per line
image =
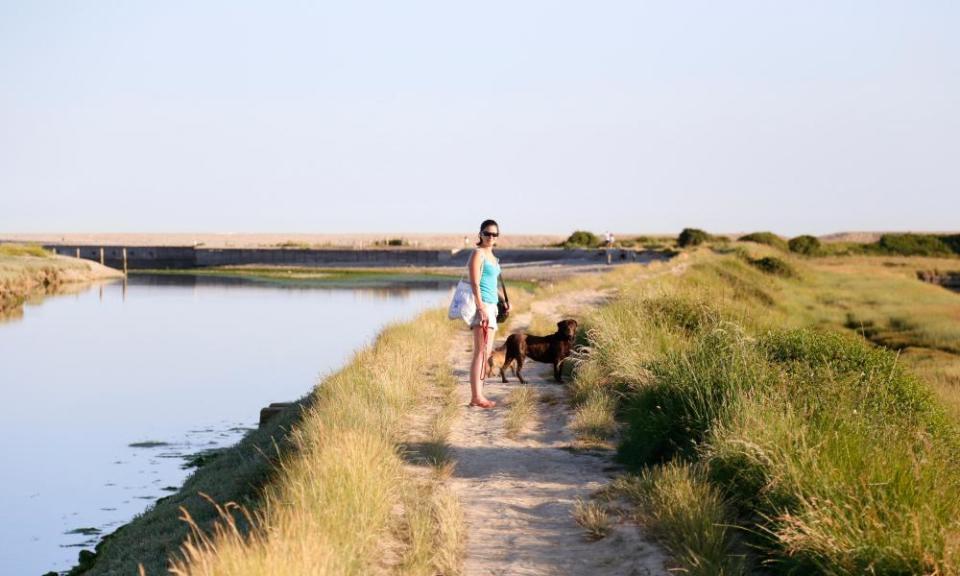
<point x="480" y="355"/>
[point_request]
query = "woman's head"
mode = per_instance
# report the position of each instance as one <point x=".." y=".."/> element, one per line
<point x="489" y="232"/>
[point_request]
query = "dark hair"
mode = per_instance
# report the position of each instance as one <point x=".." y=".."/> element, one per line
<point x="485" y="224"/>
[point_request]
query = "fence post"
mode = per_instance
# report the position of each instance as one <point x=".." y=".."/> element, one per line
<point x="78" y="252"/>
<point x="101" y="255"/>
<point x="124" y="261"/>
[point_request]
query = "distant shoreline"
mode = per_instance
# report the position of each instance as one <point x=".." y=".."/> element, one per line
<point x="362" y="240"/>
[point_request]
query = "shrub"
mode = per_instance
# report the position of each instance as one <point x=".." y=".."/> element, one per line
<point x="692" y="237"/>
<point x="806" y="245"/>
<point x="774" y="266"/>
<point x="953" y="241"/>
<point x="768" y="238"/>
<point x="913" y="245"/>
<point x="582" y="239"/>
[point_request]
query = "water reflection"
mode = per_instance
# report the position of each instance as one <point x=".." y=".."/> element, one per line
<point x="172" y="365"/>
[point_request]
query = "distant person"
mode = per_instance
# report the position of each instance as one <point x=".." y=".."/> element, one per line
<point x="484" y="270"/>
<point x="608" y="242"/>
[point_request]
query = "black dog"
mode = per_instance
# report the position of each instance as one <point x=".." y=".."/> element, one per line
<point x="550" y="349"/>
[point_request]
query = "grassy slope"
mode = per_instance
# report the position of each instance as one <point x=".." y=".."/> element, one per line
<point x="813" y="447"/>
<point x="341" y="487"/>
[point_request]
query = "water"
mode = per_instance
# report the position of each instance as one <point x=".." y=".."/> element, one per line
<point x="183" y="361"/>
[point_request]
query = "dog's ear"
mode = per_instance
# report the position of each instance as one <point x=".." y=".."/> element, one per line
<point x="561" y="325"/>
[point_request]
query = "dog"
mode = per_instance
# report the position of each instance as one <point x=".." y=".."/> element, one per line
<point x="552" y="349"/>
<point x="499" y="358"/>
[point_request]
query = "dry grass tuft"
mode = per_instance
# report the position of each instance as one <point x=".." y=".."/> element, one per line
<point x="521" y="409"/>
<point x="593" y="517"/>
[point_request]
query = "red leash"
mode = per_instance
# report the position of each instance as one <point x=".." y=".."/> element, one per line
<point x="483" y="369"/>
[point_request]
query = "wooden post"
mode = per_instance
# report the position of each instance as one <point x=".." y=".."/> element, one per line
<point x="124" y="261"/>
<point x="101" y="255"/>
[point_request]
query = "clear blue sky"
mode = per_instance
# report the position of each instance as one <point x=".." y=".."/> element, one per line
<point x="233" y="116"/>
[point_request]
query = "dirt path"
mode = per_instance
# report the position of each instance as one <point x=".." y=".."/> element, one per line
<point x="518" y="495"/>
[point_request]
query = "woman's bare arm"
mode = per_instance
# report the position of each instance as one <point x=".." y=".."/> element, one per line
<point x="476" y="269"/>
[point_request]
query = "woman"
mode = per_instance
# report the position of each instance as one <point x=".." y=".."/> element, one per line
<point x="484" y="273"/>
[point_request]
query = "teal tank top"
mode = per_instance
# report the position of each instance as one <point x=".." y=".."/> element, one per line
<point x="488" y="281"/>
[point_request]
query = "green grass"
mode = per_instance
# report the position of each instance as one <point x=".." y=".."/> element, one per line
<point x="689" y="516"/>
<point x="593" y="421"/>
<point x="830" y="454"/>
<point x="768" y="238"/>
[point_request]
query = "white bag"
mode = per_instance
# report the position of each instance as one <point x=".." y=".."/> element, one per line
<point x="463" y="306"/>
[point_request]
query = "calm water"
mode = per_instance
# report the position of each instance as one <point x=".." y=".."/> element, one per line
<point x="184" y="361"/>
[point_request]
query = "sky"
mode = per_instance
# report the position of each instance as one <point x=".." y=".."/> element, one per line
<point x="810" y="116"/>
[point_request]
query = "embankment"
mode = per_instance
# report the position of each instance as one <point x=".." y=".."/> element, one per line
<point x="769" y="435"/>
<point x="25" y="273"/>
<point x="344" y="482"/>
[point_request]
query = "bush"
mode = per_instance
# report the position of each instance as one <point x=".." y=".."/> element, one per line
<point x="953" y="241"/>
<point x="582" y="239"/>
<point x="913" y="245"/>
<point x="774" y="266"/>
<point x="768" y="238"/>
<point x="692" y="237"/>
<point x="806" y="245"/>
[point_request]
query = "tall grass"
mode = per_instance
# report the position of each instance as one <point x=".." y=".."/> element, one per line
<point x="344" y="502"/>
<point x="831" y="457"/>
<point x="521" y="409"/>
<point x="688" y="515"/>
<point x="19" y="250"/>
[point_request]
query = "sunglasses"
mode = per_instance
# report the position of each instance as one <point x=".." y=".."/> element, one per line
<point x="490" y="234"/>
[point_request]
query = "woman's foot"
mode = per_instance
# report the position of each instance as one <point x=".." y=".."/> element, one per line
<point x="482" y="403"/>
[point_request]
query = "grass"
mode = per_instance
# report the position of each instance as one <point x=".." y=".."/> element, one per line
<point x="349" y="483"/>
<point x="593" y="421"/>
<point x="688" y="515"/>
<point x="593" y="517"/>
<point x="757" y="422"/>
<point x="19" y="250"/>
<point x="334" y="502"/>
<point x="521" y="409"/>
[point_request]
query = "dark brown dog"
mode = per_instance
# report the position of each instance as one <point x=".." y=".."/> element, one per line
<point x="550" y="349"/>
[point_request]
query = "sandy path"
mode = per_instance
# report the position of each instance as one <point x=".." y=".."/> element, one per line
<point x="518" y="495"/>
